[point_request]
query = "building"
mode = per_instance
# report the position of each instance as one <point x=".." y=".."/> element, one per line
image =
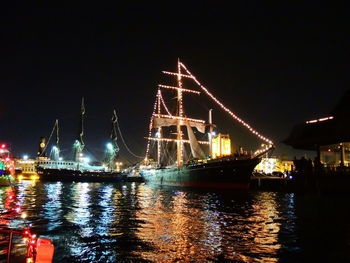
<point x="273" y="164"/>
<point x="221" y="145"/>
<point x="328" y="136"/>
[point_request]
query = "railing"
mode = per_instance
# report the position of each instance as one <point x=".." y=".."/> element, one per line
<point x="29" y="238"/>
<point x="38" y="249"/>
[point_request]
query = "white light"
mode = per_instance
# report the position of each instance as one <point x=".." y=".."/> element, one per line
<point x="213" y="133"/>
<point x="86" y="160"/>
<point x="60" y="159"/>
<point x="25" y="157"/>
<point x="109" y="146"/>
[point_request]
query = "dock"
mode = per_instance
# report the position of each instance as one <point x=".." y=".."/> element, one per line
<point x="272" y="183"/>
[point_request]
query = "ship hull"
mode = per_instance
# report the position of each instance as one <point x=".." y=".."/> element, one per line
<point x="219" y="173"/>
<point x="67" y="175"/>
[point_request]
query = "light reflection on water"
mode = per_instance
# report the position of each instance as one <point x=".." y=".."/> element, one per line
<point x="93" y="222"/>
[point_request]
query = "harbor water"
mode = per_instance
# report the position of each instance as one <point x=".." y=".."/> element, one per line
<point x="137" y="222"/>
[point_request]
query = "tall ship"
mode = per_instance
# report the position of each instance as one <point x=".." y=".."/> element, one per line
<point x="197" y="163"/>
<point x="81" y="168"/>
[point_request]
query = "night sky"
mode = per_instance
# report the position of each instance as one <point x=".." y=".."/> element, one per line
<point x="273" y="65"/>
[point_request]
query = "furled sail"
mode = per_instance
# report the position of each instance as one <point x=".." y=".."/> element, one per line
<point x="165" y="121"/>
<point x="196" y="150"/>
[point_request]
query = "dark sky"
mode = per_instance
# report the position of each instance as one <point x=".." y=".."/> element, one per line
<point x="273" y="65"/>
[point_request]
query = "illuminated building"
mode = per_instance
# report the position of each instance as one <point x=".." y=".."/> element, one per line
<point x="328" y="136"/>
<point x="221" y="145"/>
<point x="273" y="164"/>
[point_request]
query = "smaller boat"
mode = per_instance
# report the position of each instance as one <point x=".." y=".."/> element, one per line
<point x="70" y="175"/>
<point x="80" y="169"/>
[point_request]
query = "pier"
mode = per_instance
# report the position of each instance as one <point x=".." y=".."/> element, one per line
<point x="271" y="183"/>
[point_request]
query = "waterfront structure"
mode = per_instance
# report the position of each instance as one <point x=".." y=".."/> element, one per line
<point x="26" y="168"/>
<point x="221" y="145"/>
<point x="328" y="136"/>
<point x="274" y="164"/>
<point x="215" y="167"/>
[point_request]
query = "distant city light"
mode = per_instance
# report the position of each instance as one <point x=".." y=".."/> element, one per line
<point x="25" y="157"/>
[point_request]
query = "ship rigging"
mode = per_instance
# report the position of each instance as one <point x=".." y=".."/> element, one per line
<point x="203" y="168"/>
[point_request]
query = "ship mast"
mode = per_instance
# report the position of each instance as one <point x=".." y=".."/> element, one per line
<point x="56" y="149"/>
<point x="159" y="133"/>
<point x="210" y="132"/>
<point x="180" y="114"/>
<point x="160" y="120"/>
<point x="79" y="143"/>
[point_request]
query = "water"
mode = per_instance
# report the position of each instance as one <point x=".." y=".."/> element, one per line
<point x="95" y="222"/>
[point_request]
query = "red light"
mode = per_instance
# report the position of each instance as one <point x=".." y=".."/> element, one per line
<point x="7" y="159"/>
<point x="3" y="146"/>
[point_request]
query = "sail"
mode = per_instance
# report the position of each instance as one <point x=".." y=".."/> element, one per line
<point x="161" y="122"/>
<point x="196" y="150"/>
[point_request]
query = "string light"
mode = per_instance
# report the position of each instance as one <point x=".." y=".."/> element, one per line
<point x="166" y="108"/>
<point x="178" y="118"/>
<point x="176" y="88"/>
<point x="150" y="126"/>
<point x="180" y="141"/>
<point x="174" y="140"/>
<point x="322" y="119"/>
<point x="181" y="113"/>
<point x="159" y="129"/>
<point x="253" y="131"/>
<point x="177" y="74"/>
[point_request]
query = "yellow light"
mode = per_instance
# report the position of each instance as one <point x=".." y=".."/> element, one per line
<point x="20" y="177"/>
<point x="24" y="215"/>
<point x="221" y="145"/>
<point x="34" y="177"/>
